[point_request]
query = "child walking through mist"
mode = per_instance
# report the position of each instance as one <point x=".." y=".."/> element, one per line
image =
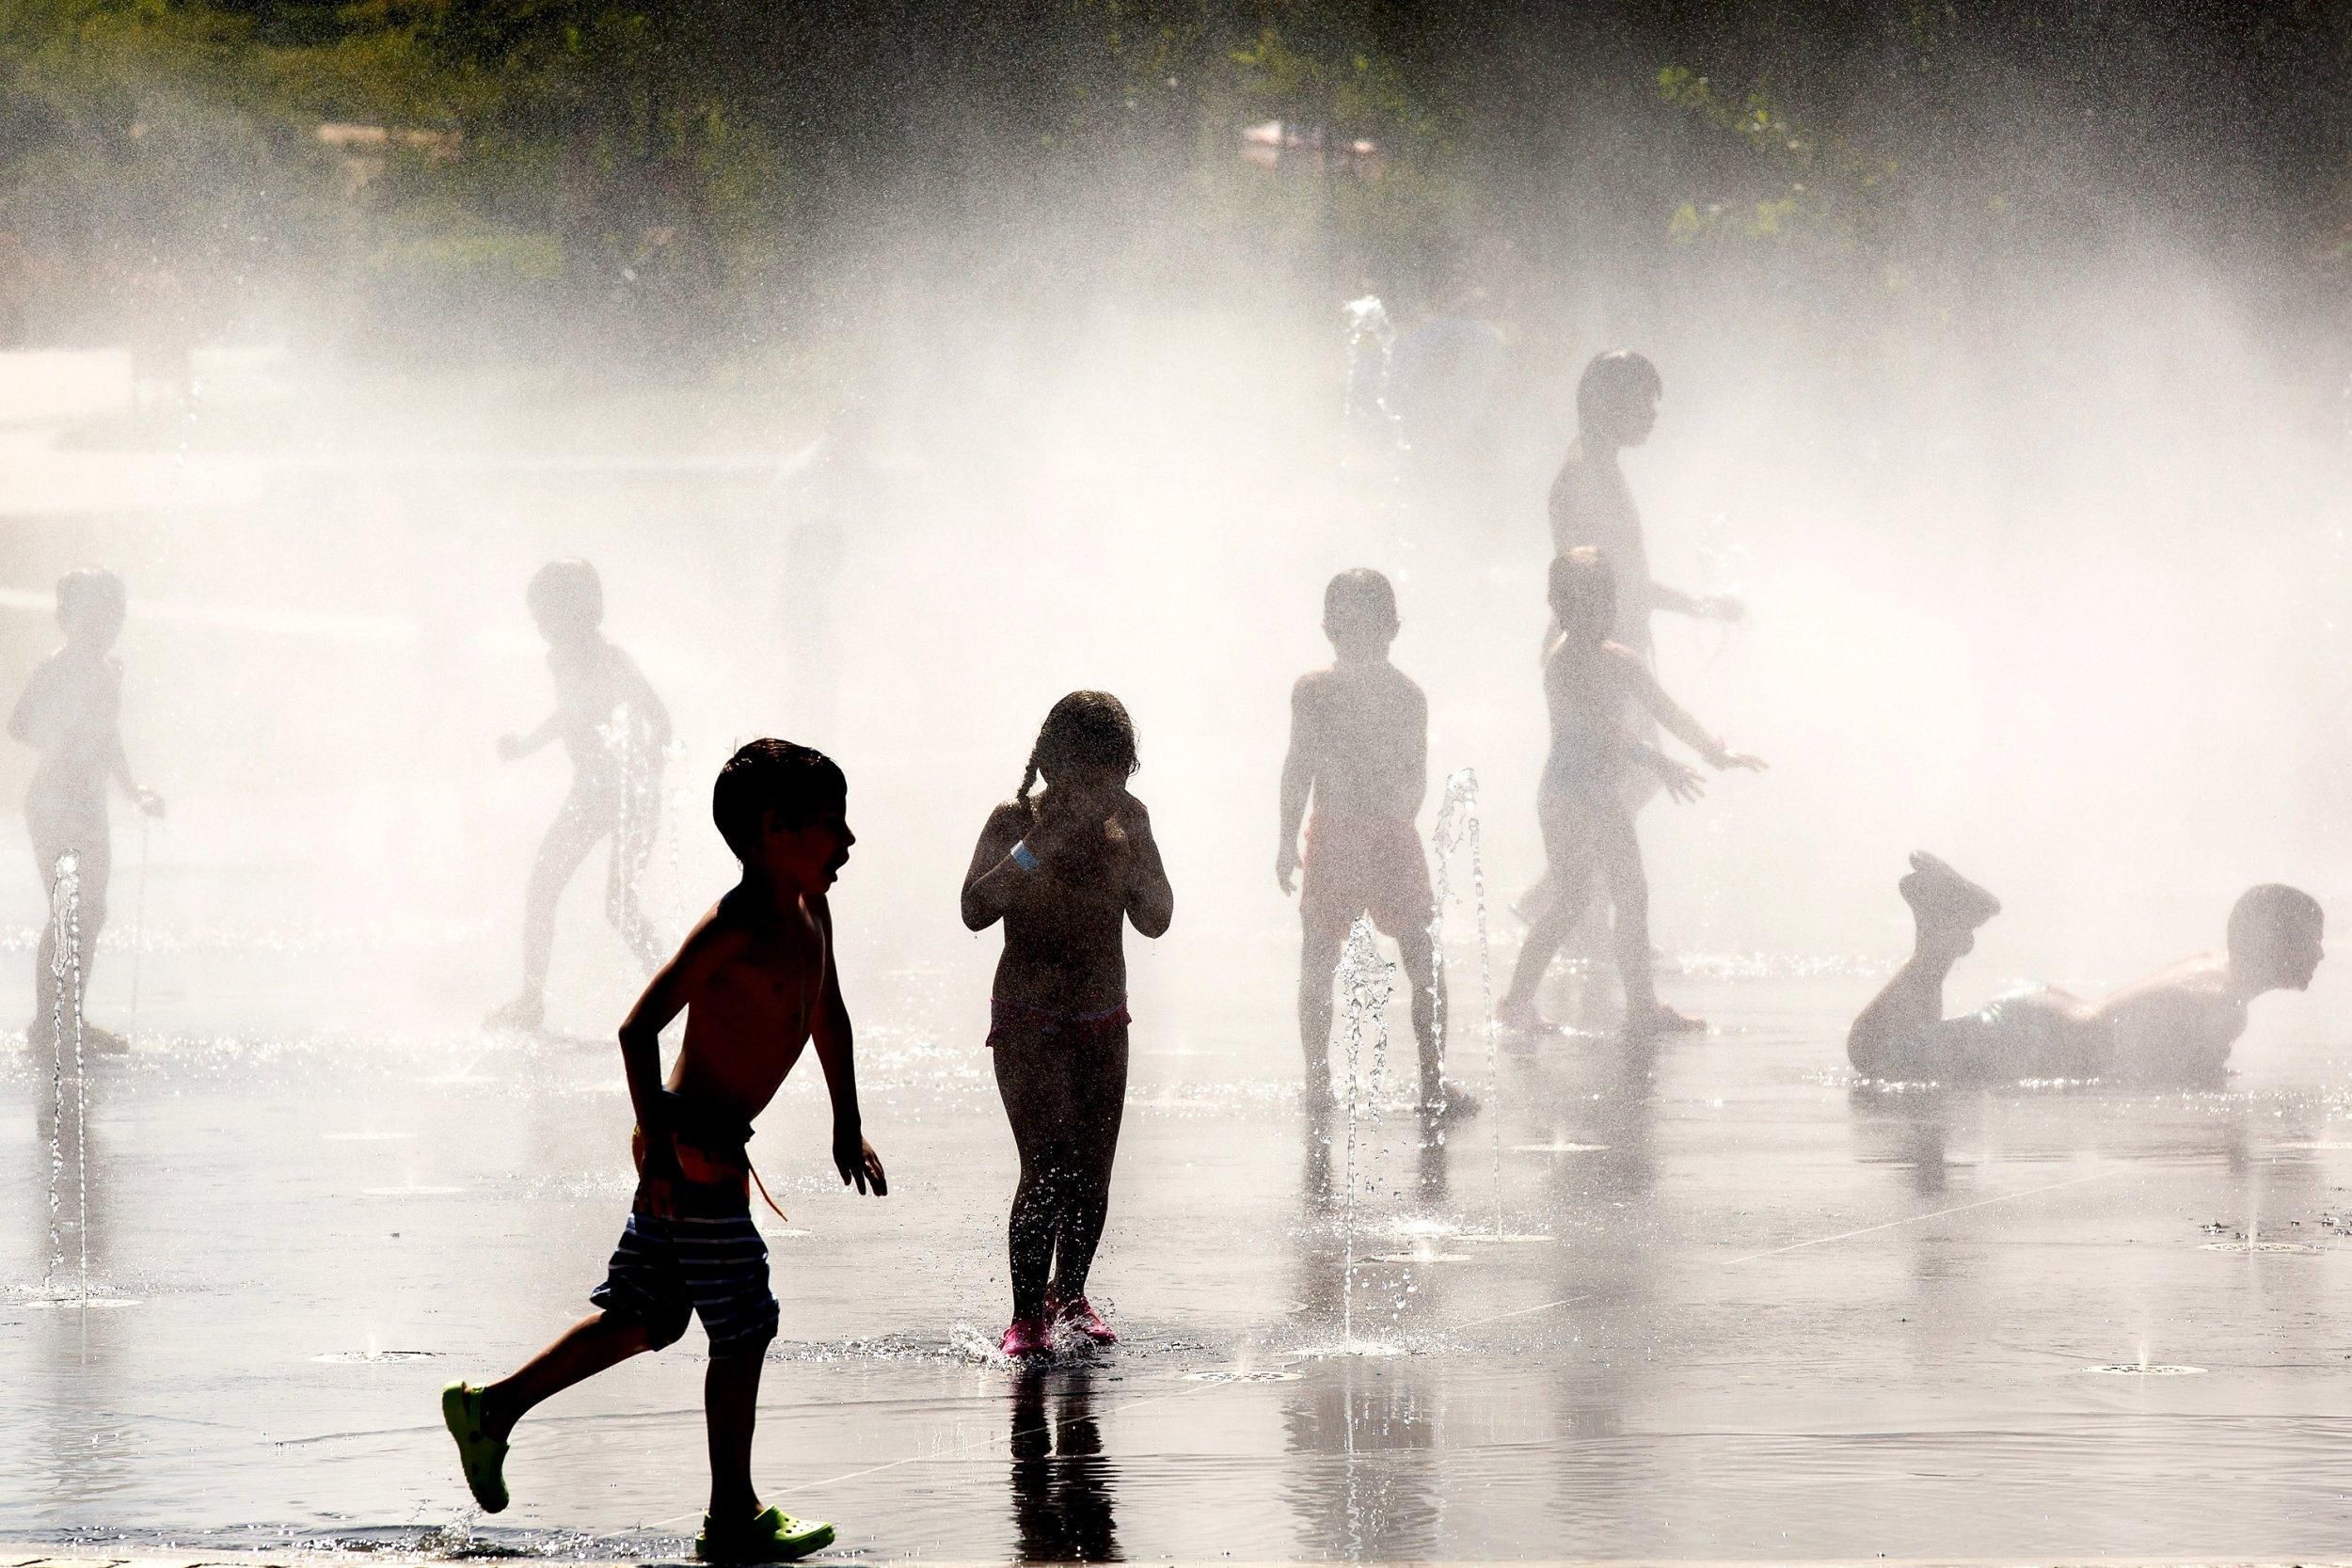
<point x="69" y="713"/>
<point x="1066" y="871"/>
<point x="614" y="729"/>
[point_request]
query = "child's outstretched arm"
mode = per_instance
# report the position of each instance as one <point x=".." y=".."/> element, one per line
<point x="1298" y="779"/>
<point x="512" y="747"/>
<point x="852" y="1156"/>
<point x="1703" y="607"/>
<point x="1681" y="725"/>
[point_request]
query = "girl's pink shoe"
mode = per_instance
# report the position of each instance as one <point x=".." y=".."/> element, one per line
<point x="1023" y="1339"/>
<point x="1079" y="1313"/>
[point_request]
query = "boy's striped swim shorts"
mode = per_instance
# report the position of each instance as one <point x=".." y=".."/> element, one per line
<point x="669" y="1268"/>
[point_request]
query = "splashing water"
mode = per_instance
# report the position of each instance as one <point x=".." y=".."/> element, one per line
<point x="1457" y="827"/>
<point x="1371" y="335"/>
<point x="1365" y="988"/>
<point x="65" y="1009"/>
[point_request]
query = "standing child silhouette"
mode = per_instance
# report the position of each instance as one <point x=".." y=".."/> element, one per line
<point x="69" y="713"/>
<point x="614" y="729"/>
<point x="1065" y="871"/>
<point x="1360" y="751"/>
<point x="1581" y="806"/>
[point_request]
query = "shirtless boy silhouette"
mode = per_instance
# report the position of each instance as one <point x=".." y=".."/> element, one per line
<point x="69" y="713"/>
<point x="756" y="981"/>
<point x="615" y="730"/>
<point x="1583" y="806"/>
<point x="2176" y="1026"/>
<point x="1591" y="503"/>
<point x="1360" y="752"/>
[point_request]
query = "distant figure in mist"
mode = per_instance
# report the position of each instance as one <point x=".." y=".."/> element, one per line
<point x="1066" y="871"/>
<point x="69" y="713"/>
<point x="1616" y="407"/>
<point x="756" y="981"/>
<point x="1591" y="504"/>
<point x="2174" y="1027"/>
<point x="616" y="730"/>
<point x="1359" y="754"/>
<point x="1583" y="806"/>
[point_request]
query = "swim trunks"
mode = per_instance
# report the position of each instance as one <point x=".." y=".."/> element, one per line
<point x="689" y="1249"/>
<point x="1012" y="1022"/>
<point x="1365" y="865"/>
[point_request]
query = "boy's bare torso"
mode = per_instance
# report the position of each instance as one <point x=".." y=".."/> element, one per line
<point x="2178" y="1022"/>
<point x="1365" y="727"/>
<point x="69" y="711"/>
<point x="751" y="1004"/>
<point x="591" y="682"/>
<point x="1591" y="504"/>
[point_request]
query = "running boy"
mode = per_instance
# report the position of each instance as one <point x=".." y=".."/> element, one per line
<point x="756" y="981"/>
<point x="2176" y="1026"/>
<point x="69" y="713"/>
<point x="1360" y="751"/>
<point x="1582" y="805"/>
<point x="614" y="729"/>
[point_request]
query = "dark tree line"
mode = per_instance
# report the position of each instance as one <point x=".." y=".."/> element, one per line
<point x="741" y="164"/>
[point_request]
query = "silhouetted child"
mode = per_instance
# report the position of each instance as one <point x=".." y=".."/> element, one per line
<point x="69" y="713"/>
<point x="1065" y="871"/>
<point x="1360" y="752"/>
<point x="1582" y="804"/>
<point x="2176" y="1026"/>
<point x="614" y="729"/>
<point x="756" y="981"/>
<point x="1591" y="504"/>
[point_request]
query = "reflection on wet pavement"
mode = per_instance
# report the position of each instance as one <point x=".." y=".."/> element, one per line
<point x="1744" y="1309"/>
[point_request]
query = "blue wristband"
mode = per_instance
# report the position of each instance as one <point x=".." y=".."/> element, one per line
<point x="1023" y="856"/>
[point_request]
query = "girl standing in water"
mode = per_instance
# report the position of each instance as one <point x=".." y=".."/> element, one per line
<point x="1064" y="870"/>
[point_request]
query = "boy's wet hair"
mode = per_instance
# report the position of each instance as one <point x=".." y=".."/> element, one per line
<point x="1611" y="377"/>
<point x="1583" y="581"/>
<point x="1085" y="729"/>
<point x="1360" y="596"/>
<point x="568" y="591"/>
<point x="799" y="784"/>
<point x="2265" y="910"/>
<point x="90" y="586"/>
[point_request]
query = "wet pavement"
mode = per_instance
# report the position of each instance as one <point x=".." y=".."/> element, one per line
<point x="1742" y="1311"/>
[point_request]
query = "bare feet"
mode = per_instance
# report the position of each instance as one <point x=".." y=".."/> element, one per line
<point x="1448" y="1102"/>
<point x="1520" y="1018"/>
<point x="96" y="1041"/>
<point x="1659" y="1019"/>
<point x="524" y="1012"/>
<point x="1945" y="903"/>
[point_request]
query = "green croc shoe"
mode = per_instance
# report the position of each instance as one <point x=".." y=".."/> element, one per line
<point x="775" y="1536"/>
<point x="483" y="1456"/>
